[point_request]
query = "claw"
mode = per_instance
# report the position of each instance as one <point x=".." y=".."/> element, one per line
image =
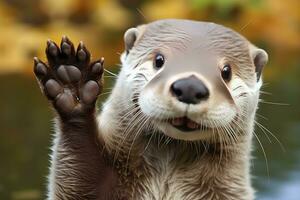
<point x="102" y="60"/>
<point x="40" y="69"/>
<point x="97" y="68"/>
<point x="67" y="47"/>
<point x="65" y="39"/>
<point x="82" y="53"/>
<point x="36" y="60"/>
<point x="49" y="42"/>
<point x="81" y="45"/>
<point x="52" y="48"/>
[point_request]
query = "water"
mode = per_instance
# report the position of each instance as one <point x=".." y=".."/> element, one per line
<point x="25" y="139"/>
<point x="283" y="181"/>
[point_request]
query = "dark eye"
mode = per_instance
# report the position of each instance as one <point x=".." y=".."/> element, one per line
<point x="226" y="72"/>
<point x="159" y="61"/>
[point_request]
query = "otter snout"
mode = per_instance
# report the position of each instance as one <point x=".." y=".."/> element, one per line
<point x="190" y="90"/>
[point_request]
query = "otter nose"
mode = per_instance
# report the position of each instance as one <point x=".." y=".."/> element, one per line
<point x="189" y="90"/>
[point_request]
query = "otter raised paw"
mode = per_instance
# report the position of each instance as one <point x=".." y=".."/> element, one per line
<point x="72" y="84"/>
<point x="69" y="81"/>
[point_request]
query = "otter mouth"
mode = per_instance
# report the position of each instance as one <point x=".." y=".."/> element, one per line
<point x="186" y="125"/>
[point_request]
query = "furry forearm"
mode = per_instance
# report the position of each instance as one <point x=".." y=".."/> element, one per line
<point x="78" y="165"/>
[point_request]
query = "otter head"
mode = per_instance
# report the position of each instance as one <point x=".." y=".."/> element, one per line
<point x="192" y="80"/>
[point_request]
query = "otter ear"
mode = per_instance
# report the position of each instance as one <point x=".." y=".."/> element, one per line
<point x="260" y="59"/>
<point x="130" y="37"/>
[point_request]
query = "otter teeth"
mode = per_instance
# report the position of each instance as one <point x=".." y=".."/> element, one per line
<point x="177" y="121"/>
<point x="184" y="122"/>
<point x="192" y="125"/>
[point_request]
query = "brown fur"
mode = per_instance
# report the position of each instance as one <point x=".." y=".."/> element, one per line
<point x="122" y="156"/>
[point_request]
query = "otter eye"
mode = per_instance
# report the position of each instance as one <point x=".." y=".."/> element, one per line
<point x="159" y="61"/>
<point x="226" y="72"/>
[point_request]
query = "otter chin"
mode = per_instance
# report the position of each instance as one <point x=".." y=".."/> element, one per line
<point x="178" y="123"/>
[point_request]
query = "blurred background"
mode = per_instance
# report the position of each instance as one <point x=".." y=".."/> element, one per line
<point x="25" y="117"/>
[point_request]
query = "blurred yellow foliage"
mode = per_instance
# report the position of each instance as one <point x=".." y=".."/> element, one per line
<point x="154" y="10"/>
<point x="25" y="26"/>
<point x="110" y="14"/>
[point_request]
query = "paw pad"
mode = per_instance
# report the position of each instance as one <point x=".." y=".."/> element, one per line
<point x="68" y="73"/>
<point x="69" y="80"/>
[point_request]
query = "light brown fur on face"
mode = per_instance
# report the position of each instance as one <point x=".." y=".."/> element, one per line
<point x="206" y="164"/>
<point x="132" y="150"/>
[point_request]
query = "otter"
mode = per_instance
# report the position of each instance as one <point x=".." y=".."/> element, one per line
<point x="178" y="123"/>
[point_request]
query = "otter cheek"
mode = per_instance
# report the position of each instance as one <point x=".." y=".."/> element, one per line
<point x="145" y="102"/>
<point x="221" y="113"/>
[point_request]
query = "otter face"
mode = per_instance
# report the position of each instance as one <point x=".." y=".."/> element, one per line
<point x="193" y="80"/>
